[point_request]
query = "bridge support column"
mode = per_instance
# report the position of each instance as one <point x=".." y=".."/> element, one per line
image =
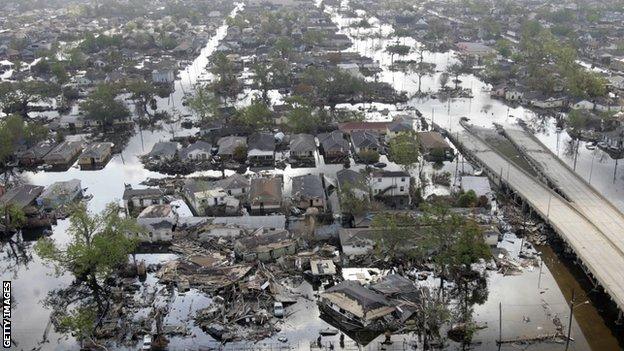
<point x="620" y="319"/>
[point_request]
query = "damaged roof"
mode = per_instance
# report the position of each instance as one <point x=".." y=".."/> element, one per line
<point x="367" y="299"/>
<point x="21" y="196"/>
<point x="266" y="190"/>
<point x="130" y="193"/>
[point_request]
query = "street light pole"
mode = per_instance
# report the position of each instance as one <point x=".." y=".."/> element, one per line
<point x="591" y="170"/>
<point x="570" y="321"/>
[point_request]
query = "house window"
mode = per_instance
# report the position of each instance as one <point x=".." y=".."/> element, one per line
<point x="402" y="189"/>
<point x="243" y="190"/>
<point x="403" y="179"/>
<point x="379" y="180"/>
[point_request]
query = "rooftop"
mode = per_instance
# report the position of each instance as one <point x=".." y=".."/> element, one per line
<point x="156" y="211"/>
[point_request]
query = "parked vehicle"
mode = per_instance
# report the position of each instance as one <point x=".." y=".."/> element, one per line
<point x="278" y="309"/>
<point x="147" y="342"/>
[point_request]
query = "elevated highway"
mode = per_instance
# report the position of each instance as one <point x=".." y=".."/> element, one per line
<point x="594" y="240"/>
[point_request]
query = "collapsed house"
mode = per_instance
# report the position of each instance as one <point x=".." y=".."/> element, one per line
<point x="385" y="305"/>
<point x="60" y="194"/>
<point x="355" y="307"/>
<point x="265" y="246"/>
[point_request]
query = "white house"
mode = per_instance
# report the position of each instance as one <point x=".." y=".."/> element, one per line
<point x="225" y="192"/>
<point x="358" y="241"/>
<point x="390" y="183"/>
<point x="602" y="105"/>
<point x="551" y="102"/>
<point x="159" y="222"/>
<point x="199" y="150"/>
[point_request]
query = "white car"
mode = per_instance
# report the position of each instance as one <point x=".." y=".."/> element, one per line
<point x="147" y="342"/>
<point x="278" y="309"/>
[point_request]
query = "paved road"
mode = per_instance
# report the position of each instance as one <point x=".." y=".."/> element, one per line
<point x="600" y="255"/>
<point x="596" y="208"/>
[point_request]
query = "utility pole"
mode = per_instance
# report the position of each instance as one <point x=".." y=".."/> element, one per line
<point x="576" y="152"/>
<point x="500" y="324"/>
<point x="539" y="279"/>
<point x="570" y="320"/>
<point x="591" y="169"/>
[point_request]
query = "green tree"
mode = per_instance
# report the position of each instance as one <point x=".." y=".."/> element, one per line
<point x="204" y="104"/>
<point x="143" y="94"/>
<point x="103" y="107"/>
<point x="99" y="244"/>
<point x="578" y="119"/>
<point x="398" y="233"/>
<point x="256" y="115"/>
<point x="444" y="78"/>
<point x="283" y="47"/>
<point x="11" y="133"/>
<point x="281" y="73"/>
<point x="368" y="156"/>
<point x="261" y="80"/>
<point x="59" y="72"/>
<point x="240" y="153"/>
<point x="454" y="241"/>
<point x="302" y="119"/>
<point x="313" y="37"/>
<point x="13" y="218"/>
<point x="403" y="150"/>
<point x="467" y="199"/>
<point x="16" y="97"/>
<point x="77" y="59"/>
<point x="35" y="132"/>
<point x="398" y="49"/>
<point x="99" y="247"/>
<point x="226" y="84"/>
<point x="455" y="70"/>
<point x="354" y="199"/>
<point x="504" y="47"/>
<point x="422" y="69"/>
<point x="586" y="84"/>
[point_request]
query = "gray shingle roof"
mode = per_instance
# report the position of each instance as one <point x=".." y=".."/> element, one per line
<point x="198" y="145"/>
<point x="308" y="186"/>
<point x="262" y="141"/>
<point x="21" y="196"/>
<point x="333" y="141"/>
<point x="364" y="139"/>
<point x="164" y="149"/>
<point x="302" y="143"/>
<point x="150" y="192"/>
<point x="97" y="149"/>
<point x="368" y="299"/>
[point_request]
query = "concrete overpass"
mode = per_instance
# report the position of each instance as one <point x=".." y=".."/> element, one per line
<point x="585" y="198"/>
<point x="593" y="240"/>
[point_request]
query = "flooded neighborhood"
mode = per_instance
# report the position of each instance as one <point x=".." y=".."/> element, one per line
<point x="312" y="175"/>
